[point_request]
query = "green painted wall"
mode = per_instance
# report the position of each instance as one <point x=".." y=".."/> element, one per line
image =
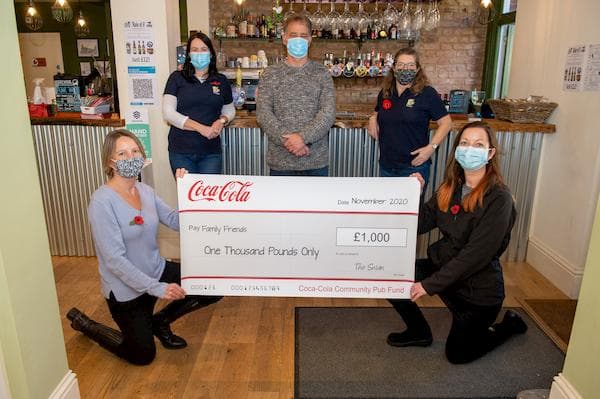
<point x="30" y="330"/>
<point x="583" y="356"/>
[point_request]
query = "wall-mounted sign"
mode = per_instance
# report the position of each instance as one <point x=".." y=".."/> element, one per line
<point x="39" y="62"/>
<point x="582" y="68"/>
<point x="141" y="66"/>
<point x="138" y="123"/>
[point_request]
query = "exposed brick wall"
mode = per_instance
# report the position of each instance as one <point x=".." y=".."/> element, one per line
<point x="452" y="57"/>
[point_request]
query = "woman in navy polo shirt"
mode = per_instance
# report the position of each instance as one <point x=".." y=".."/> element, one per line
<point x="405" y="106"/>
<point x="197" y="103"/>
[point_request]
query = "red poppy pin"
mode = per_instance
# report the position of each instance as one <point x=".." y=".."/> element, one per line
<point x="138" y="220"/>
<point x="454" y="210"/>
<point x="386" y="104"/>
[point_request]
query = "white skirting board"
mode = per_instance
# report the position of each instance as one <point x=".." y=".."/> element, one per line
<point x="558" y="270"/>
<point x="562" y="389"/>
<point x="67" y="389"/>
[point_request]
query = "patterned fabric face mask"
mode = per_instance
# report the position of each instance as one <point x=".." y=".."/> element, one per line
<point x="405" y="76"/>
<point x="130" y="167"/>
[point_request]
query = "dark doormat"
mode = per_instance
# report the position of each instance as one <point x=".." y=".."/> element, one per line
<point x="554" y="316"/>
<point x="342" y="353"/>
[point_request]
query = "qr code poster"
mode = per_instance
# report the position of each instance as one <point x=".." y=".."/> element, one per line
<point x="142" y="90"/>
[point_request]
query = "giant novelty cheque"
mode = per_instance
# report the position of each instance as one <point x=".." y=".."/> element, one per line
<point x="288" y="236"/>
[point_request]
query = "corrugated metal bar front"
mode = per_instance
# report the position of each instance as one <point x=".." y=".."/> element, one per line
<point x="244" y="151"/>
<point x="70" y="170"/>
<point x="69" y="167"/>
<point x="354" y="153"/>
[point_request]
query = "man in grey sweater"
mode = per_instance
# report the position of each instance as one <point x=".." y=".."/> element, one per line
<point x="296" y="107"/>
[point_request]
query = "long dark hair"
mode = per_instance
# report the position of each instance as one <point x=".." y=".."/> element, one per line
<point x="455" y="174"/>
<point x="389" y="82"/>
<point x="188" y="69"/>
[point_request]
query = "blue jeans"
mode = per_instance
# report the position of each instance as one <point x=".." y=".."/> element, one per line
<point x="324" y="171"/>
<point x="407" y="171"/>
<point x="209" y="164"/>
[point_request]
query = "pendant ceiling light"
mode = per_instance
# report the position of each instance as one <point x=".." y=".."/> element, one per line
<point x="81" y="26"/>
<point x="33" y="19"/>
<point x="62" y="11"/>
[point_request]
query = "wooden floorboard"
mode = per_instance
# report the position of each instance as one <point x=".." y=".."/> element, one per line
<point x="240" y="347"/>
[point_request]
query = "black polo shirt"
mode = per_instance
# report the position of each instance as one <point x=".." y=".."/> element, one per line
<point x="404" y="124"/>
<point x="201" y="102"/>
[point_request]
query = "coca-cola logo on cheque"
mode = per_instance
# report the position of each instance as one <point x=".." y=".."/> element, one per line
<point x="232" y="191"/>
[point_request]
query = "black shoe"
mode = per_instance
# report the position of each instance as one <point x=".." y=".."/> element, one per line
<point x="409" y="339"/>
<point x="163" y="332"/>
<point x="79" y="321"/>
<point x="514" y="322"/>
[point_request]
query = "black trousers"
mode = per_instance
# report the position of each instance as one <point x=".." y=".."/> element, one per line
<point x="135" y="318"/>
<point x="473" y="332"/>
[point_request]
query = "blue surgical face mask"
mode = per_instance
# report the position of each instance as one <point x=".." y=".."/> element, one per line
<point x="297" y="47"/>
<point x="130" y="167"/>
<point x="471" y="158"/>
<point x="200" y="61"/>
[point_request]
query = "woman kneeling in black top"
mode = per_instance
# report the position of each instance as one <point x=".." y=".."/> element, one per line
<point x="474" y="211"/>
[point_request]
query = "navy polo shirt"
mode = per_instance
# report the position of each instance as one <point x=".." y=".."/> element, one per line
<point x="404" y="127"/>
<point x="201" y="102"/>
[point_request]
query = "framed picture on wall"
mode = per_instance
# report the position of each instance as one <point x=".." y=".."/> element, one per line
<point x="87" y="48"/>
<point x="85" y="67"/>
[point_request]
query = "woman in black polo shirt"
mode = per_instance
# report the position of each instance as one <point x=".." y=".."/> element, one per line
<point x="405" y="106"/>
<point x="197" y="103"/>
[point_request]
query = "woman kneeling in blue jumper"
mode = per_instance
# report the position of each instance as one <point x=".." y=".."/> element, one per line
<point x="124" y="215"/>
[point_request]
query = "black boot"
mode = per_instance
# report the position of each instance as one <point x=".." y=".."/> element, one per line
<point x="417" y="333"/>
<point x="511" y="324"/>
<point x="106" y="337"/>
<point x="174" y="310"/>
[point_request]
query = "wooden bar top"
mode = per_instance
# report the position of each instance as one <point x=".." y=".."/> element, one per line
<point x="74" y="118"/>
<point x="359" y="120"/>
<point x="345" y="120"/>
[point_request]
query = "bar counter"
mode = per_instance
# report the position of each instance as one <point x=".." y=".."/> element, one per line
<point x="74" y="119"/>
<point x="68" y="151"/>
<point x="358" y="119"/>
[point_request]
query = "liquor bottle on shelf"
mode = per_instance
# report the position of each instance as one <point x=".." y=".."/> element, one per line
<point x="368" y="60"/>
<point x="231" y="29"/>
<point x="369" y="33"/>
<point x="250" y="26"/>
<point x="264" y="30"/>
<point x="393" y="32"/>
<point x="242" y="27"/>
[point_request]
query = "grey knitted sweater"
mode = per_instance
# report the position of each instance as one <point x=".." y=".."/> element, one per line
<point x="300" y="100"/>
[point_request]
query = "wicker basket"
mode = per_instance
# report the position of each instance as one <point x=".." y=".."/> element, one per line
<point x="522" y="111"/>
